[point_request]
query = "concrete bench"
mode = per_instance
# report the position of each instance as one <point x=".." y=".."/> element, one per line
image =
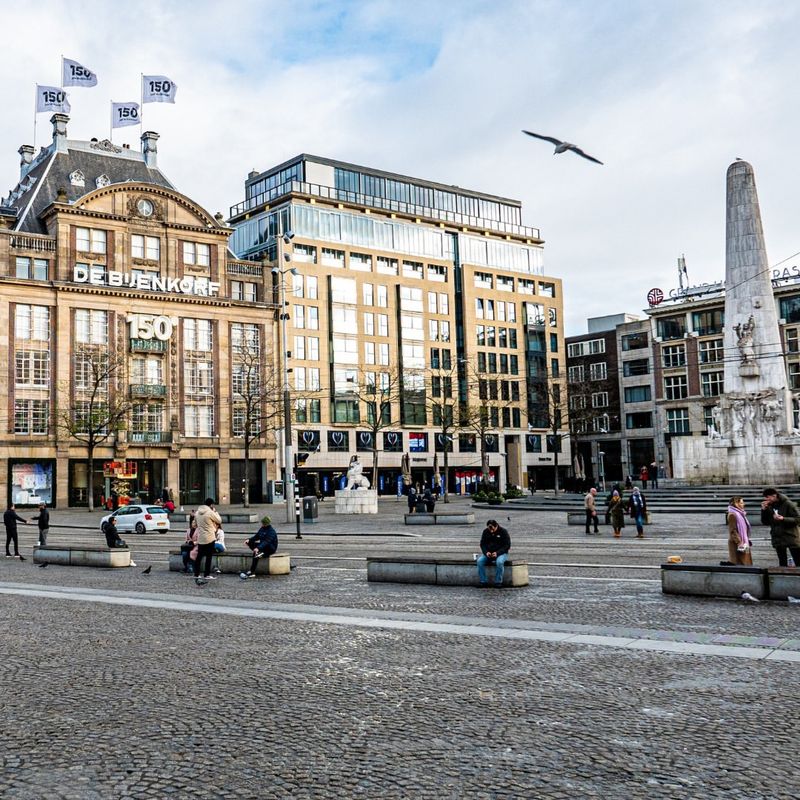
<point x="441" y="571"/>
<point x="714" y="581"/>
<point x="441" y="518"/>
<point x="783" y="582"/>
<point x="579" y="518"/>
<point x="82" y="556"/>
<point x="245" y="517"/>
<point x="234" y="563"/>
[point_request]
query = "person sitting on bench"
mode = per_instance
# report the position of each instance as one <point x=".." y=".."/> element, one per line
<point x="109" y="528"/>
<point x="264" y="543"/>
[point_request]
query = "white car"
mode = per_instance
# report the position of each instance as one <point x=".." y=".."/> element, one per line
<point x="140" y="519"/>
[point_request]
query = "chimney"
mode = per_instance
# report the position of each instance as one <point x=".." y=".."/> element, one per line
<point x="59" y="122"/>
<point x="252" y="174"/>
<point x="25" y="159"/>
<point x="150" y="149"/>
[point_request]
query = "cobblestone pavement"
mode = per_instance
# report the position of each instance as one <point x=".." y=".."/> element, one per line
<point x="108" y="701"/>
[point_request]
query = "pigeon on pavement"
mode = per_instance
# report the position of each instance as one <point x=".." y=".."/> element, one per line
<point x="562" y="147"/>
<point x="146" y="571"/>
<point x="22" y="558"/>
<point x="42" y="566"/>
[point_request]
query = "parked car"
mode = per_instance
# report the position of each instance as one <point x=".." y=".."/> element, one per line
<point x="140" y="519"/>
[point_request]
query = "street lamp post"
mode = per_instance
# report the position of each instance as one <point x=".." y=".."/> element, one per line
<point x="288" y="450"/>
<point x="602" y="468"/>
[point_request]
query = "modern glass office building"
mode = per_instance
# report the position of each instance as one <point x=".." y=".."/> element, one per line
<point x="442" y="284"/>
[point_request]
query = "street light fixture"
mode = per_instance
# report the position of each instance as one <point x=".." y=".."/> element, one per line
<point x="288" y="450"/>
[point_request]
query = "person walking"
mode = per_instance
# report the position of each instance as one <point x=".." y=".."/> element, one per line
<point x="739" y="542"/>
<point x="643" y="476"/>
<point x="43" y="521"/>
<point x="495" y="544"/>
<point x="208" y="522"/>
<point x="412" y="499"/>
<point x="654" y="474"/>
<point x="10" y="520"/>
<point x="616" y="513"/>
<point x="590" y="504"/>
<point x="782" y="516"/>
<point x="637" y="508"/>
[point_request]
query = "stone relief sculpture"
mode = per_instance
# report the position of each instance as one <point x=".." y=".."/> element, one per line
<point x="715" y="428"/>
<point x="744" y="340"/>
<point x="355" y="477"/>
<point x="771" y="408"/>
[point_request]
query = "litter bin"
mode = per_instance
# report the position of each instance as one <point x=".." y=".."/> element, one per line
<point x="310" y="509"/>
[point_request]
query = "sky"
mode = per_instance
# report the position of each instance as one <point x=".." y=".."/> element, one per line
<point x="665" y="92"/>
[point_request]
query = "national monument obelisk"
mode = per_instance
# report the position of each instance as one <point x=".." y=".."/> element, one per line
<point x="753" y="421"/>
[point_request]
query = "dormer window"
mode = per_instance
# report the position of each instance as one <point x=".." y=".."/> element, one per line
<point x="102" y="180"/>
<point x="77" y="178"/>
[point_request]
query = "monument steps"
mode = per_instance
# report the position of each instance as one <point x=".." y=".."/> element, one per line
<point x="682" y="500"/>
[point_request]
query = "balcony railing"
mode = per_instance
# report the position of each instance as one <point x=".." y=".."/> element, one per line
<point x="148" y="390"/>
<point x="344" y="196"/>
<point x="38" y="243"/>
<point x="148" y="346"/>
<point x="245" y="268"/>
<point x="150" y="437"/>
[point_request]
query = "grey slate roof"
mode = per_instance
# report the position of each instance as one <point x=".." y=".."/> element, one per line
<point x="52" y="170"/>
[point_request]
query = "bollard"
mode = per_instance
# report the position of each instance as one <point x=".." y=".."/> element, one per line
<point x="297" y="515"/>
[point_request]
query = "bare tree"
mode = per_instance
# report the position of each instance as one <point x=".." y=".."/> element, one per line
<point x="547" y="401"/>
<point x="441" y="401"/>
<point x="257" y="393"/>
<point x="583" y="417"/>
<point x="101" y="406"/>
<point x="379" y="390"/>
<point x="482" y="414"/>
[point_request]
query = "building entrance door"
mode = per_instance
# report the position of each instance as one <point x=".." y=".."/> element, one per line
<point x="198" y="480"/>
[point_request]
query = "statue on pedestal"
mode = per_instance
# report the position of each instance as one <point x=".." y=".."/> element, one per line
<point x="355" y="477"/>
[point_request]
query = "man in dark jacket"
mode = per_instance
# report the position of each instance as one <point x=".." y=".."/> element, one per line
<point x="10" y="520"/>
<point x="43" y="520"/>
<point x="783" y="518"/>
<point x="264" y="543"/>
<point x="109" y="528"/>
<point x="495" y="544"/>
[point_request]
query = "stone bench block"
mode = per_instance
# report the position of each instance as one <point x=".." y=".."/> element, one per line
<point x="579" y="518"/>
<point x="443" y="518"/>
<point x="236" y="516"/>
<point x="441" y="572"/>
<point x="714" y="581"/>
<point x="82" y="556"/>
<point x="234" y="563"/>
<point x="784" y="582"/>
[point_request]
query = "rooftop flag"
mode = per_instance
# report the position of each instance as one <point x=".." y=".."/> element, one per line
<point x="75" y="74"/>
<point x="51" y="98"/>
<point x="158" y="89"/>
<point x="124" y="114"/>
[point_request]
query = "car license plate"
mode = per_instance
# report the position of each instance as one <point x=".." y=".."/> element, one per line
<point x="161" y="524"/>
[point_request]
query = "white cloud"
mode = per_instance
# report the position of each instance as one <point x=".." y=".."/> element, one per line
<point x="667" y="94"/>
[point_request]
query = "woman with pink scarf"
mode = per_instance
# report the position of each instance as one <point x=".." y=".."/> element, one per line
<point x="739" y="552"/>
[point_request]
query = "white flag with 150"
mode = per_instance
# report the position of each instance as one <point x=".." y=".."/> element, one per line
<point x="158" y="89"/>
<point x="124" y="114"/>
<point x="51" y="98"/>
<point x="75" y="74"/>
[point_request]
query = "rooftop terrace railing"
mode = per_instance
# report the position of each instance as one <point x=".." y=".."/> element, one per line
<point x="397" y="206"/>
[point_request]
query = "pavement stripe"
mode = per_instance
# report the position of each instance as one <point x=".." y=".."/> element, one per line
<point x="413" y="623"/>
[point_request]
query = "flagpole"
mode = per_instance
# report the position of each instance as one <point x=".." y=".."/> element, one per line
<point x="141" y="105"/>
<point x="35" y="106"/>
<point x="111" y="123"/>
<point x="62" y="70"/>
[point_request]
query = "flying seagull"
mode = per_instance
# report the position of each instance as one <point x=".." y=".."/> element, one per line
<point x="562" y="147"/>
